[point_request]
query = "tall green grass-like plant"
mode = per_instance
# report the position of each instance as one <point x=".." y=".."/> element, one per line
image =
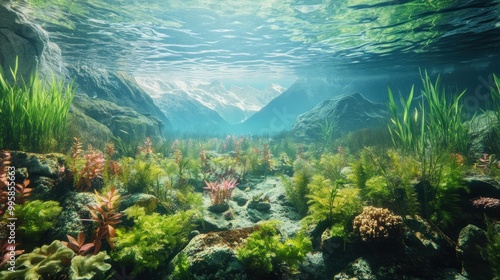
<point x="433" y="133"/>
<point x="34" y="112"/>
<point x="436" y="125"/>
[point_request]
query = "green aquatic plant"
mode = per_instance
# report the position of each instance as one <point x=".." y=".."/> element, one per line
<point x="436" y="124"/>
<point x="153" y="239"/>
<point x="264" y="254"/>
<point x="297" y="188"/>
<point x="492" y="249"/>
<point x="36" y="217"/>
<point x="33" y="112"/>
<point x="321" y="199"/>
<point x="89" y="267"/>
<point x="47" y="262"/>
<point x="331" y="165"/>
<point x="144" y="175"/>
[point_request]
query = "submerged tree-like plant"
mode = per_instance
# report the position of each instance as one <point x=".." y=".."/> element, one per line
<point x="33" y="112"/>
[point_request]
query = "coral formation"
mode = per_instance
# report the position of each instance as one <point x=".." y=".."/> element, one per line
<point x="377" y="224"/>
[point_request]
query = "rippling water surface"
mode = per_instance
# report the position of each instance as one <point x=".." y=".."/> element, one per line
<point x="273" y="39"/>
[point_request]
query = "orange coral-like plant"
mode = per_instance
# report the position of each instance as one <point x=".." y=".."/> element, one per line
<point x="378" y="224"/>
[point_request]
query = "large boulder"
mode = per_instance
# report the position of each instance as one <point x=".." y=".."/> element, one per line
<point x="469" y="249"/>
<point x="346" y="113"/>
<point x="121" y="89"/>
<point x="45" y="173"/>
<point x="123" y="122"/>
<point x="213" y="255"/>
<point x="21" y="38"/>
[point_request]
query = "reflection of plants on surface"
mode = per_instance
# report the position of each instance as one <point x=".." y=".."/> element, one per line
<point x="220" y="191"/>
<point x="33" y="112"/>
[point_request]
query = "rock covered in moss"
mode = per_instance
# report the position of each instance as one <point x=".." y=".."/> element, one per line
<point x="44" y="171"/>
<point x="474" y="264"/>
<point x="75" y="208"/>
<point x="213" y="256"/>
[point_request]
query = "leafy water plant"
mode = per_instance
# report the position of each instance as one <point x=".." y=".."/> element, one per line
<point x="153" y="239"/>
<point x="436" y="124"/>
<point x="297" y="189"/>
<point x="78" y="246"/>
<point x="89" y="267"/>
<point x="36" y="217"/>
<point x="492" y="248"/>
<point x="143" y="175"/>
<point x="92" y="173"/>
<point x="33" y="112"/>
<point x="46" y="262"/>
<point x="264" y="254"/>
<point x="105" y="214"/>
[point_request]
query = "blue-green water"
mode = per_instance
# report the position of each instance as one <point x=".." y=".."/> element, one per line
<point x="274" y="40"/>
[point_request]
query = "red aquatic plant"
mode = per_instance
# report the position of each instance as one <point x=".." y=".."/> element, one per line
<point x="220" y="192"/>
<point x="7" y="179"/>
<point x="7" y="250"/>
<point x="78" y="246"/>
<point x="105" y="214"/>
<point x="94" y="166"/>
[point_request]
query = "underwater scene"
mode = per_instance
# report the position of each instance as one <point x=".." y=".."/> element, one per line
<point x="250" y="139"/>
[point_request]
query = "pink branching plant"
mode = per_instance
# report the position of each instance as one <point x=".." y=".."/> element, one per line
<point x="485" y="162"/>
<point x="486" y="203"/>
<point x="220" y="192"/>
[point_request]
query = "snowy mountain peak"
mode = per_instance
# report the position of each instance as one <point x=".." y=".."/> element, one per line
<point x="234" y="105"/>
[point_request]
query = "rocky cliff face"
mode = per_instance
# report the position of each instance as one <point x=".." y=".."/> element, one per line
<point x="346" y="113"/>
<point x="116" y="101"/>
<point x="21" y="38"/>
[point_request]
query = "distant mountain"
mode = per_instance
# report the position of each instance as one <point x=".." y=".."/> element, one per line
<point x="199" y="106"/>
<point x="280" y="114"/>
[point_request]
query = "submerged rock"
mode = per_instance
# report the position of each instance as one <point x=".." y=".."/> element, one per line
<point x="22" y="39"/>
<point x="474" y="264"/>
<point x="213" y="255"/>
<point x="44" y="171"/>
<point x="345" y="113"/>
